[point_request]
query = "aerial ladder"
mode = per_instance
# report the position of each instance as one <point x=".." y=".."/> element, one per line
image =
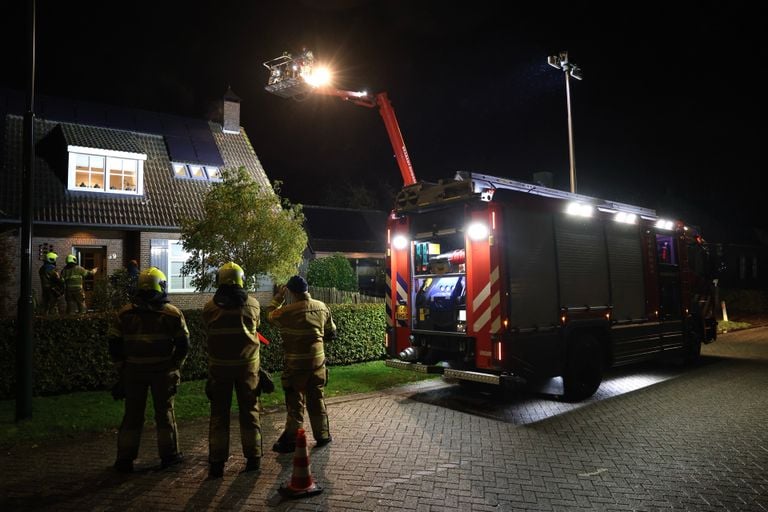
<point x="297" y="77"/>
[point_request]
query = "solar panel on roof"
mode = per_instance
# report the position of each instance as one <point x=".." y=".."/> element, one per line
<point x="188" y="140"/>
<point x="52" y="108"/>
<point x="207" y="151"/>
<point x="12" y="102"/>
<point x="121" y="118"/>
<point x="148" y="122"/>
<point x="90" y="113"/>
<point x="180" y="149"/>
<point x="173" y="126"/>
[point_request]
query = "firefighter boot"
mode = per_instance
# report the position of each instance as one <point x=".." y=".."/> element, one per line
<point x="124" y="465"/>
<point x="253" y="464"/>
<point x="216" y="470"/>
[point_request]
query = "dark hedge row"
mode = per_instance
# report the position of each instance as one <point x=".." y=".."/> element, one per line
<point x="70" y="354"/>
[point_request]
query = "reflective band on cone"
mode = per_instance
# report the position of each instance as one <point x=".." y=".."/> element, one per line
<point x="301" y="484"/>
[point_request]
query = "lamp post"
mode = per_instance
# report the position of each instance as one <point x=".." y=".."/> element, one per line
<point x="570" y="69"/>
<point x="24" y="313"/>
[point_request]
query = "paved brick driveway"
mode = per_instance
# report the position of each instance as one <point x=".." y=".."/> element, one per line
<point x="696" y="439"/>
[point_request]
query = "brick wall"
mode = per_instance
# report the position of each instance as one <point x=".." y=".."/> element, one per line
<point x="62" y="242"/>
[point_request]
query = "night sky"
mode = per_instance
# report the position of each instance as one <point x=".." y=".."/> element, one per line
<point x="669" y="115"/>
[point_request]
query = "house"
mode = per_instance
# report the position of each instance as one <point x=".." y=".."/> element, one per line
<point x="360" y="235"/>
<point x="111" y="183"/>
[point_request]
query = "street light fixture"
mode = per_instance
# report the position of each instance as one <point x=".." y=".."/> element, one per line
<point x="570" y="69"/>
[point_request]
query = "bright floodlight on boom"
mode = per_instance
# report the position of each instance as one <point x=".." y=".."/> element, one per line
<point x="290" y="76"/>
<point x="297" y="77"/>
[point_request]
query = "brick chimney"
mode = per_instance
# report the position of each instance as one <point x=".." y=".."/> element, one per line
<point x="231" y="112"/>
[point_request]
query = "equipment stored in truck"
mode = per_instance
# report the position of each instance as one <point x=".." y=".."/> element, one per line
<point x="491" y="279"/>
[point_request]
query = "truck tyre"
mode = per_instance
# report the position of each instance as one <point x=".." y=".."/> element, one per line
<point x="584" y="368"/>
<point x="693" y="345"/>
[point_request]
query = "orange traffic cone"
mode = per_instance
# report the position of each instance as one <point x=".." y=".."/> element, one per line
<point x="301" y="484"/>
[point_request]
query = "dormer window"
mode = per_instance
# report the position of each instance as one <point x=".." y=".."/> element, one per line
<point x="102" y="170"/>
<point x="196" y="171"/>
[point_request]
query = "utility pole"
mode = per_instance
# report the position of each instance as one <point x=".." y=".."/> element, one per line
<point x="570" y="69"/>
<point x="24" y="315"/>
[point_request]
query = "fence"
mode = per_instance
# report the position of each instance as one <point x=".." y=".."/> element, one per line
<point x="334" y="296"/>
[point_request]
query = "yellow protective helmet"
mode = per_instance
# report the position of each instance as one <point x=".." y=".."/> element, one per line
<point x="230" y="273"/>
<point x="71" y="258"/>
<point x="152" y="279"/>
<point x="51" y="257"/>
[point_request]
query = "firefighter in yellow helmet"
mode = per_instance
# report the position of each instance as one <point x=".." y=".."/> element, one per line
<point x="305" y="324"/>
<point x="51" y="284"/>
<point x="231" y="318"/>
<point x="149" y="342"/>
<point x="73" y="275"/>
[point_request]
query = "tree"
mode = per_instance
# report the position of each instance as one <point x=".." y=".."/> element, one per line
<point x="248" y="225"/>
<point x="332" y="272"/>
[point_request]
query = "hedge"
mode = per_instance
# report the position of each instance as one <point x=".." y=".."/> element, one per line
<point x="70" y="354"/>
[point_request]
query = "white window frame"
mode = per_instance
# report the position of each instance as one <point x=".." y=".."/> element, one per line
<point x="177" y="259"/>
<point x="209" y="172"/>
<point x="105" y="155"/>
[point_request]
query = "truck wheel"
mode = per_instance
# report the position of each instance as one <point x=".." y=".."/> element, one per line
<point x="693" y="350"/>
<point x="584" y="369"/>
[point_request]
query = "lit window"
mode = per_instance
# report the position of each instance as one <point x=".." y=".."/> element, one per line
<point x="197" y="172"/>
<point x="176" y="258"/>
<point x="180" y="170"/>
<point x="100" y="170"/>
<point x="122" y="174"/>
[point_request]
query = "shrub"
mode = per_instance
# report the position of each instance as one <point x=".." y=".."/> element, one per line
<point x="71" y="353"/>
<point x="744" y="301"/>
<point x="332" y="272"/>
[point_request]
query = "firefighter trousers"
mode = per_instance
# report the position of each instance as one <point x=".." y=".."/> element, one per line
<point x="75" y="301"/>
<point x="245" y="381"/>
<point x="50" y="303"/>
<point x="304" y="388"/>
<point x="163" y="384"/>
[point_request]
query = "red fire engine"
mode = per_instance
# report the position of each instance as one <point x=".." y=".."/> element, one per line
<point x="494" y="279"/>
<point x="491" y="280"/>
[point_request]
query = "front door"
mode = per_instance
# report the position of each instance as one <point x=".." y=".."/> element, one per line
<point x="90" y="258"/>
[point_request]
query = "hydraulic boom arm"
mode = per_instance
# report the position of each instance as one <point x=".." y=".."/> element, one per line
<point x="291" y="77"/>
<point x="380" y="100"/>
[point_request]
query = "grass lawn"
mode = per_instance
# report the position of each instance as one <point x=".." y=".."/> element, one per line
<point x="56" y="417"/>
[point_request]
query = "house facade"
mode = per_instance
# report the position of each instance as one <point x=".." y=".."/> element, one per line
<point x="112" y="184"/>
<point x="359" y="235"/>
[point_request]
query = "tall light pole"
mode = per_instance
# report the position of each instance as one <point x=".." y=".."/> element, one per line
<point x="24" y="314"/>
<point x="570" y="69"/>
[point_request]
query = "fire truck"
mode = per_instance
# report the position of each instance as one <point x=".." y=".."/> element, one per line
<point x="492" y="280"/>
<point x="495" y="280"/>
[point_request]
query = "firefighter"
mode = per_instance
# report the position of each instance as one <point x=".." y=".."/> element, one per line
<point x="73" y="275"/>
<point x="148" y="342"/>
<point x="231" y="320"/>
<point x="51" y="283"/>
<point x="304" y="325"/>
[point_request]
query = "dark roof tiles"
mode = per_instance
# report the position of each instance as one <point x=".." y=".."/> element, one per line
<point x="164" y="201"/>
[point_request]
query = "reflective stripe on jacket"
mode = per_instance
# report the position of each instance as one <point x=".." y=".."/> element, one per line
<point x="232" y="336"/>
<point x="73" y="276"/>
<point x="148" y="334"/>
<point x="49" y="278"/>
<point x="303" y="325"/>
